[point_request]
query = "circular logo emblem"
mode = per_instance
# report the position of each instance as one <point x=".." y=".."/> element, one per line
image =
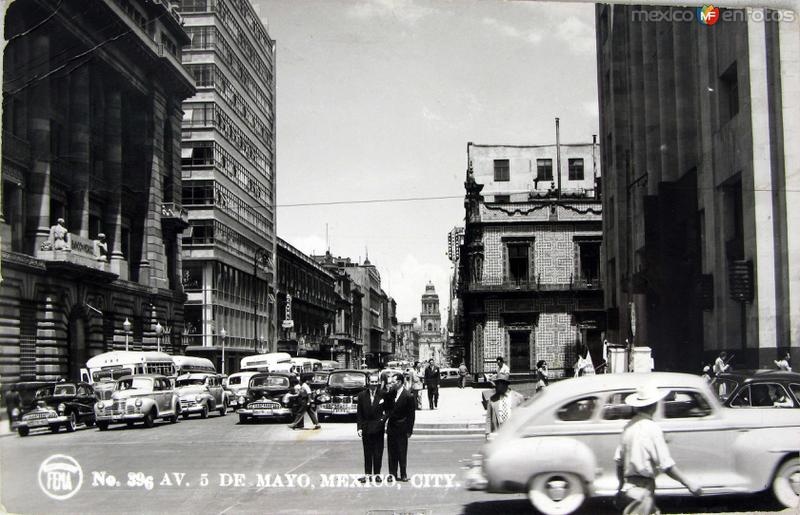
<point x="60" y="477"/>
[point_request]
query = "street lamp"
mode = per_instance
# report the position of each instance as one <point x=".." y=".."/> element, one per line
<point x="223" y="334"/>
<point x="261" y="255"/>
<point x="159" y="333"/>
<point x="126" y="326"/>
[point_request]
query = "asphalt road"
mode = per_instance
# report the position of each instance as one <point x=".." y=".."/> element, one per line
<point x="281" y="471"/>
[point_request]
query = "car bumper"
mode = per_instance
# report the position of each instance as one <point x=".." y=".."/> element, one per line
<point x="265" y="413"/>
<point x="197" y="408"/>
<point x="42" y="422"/>
<point x="126" y="417"/>
<point x="349" y="409"/>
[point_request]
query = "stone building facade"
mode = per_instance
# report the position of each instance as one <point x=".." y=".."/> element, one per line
<point x="91" y="213"/>
<point x="408" y="334"/>
<point x="699" y="127"/>
<point x="431" y="338"/>
<point x="529" y="283"/>
<point x="228" y="168"/>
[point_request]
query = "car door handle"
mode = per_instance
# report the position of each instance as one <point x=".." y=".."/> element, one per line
<point x="744" y="430"/>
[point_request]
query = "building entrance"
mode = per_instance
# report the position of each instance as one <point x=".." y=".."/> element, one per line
<point x="520" y="351"/>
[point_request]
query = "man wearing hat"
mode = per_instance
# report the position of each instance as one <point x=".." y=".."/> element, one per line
<point x="501" y="404"/>
<point x="643" y="453"/>
<point x="370" y="423"/>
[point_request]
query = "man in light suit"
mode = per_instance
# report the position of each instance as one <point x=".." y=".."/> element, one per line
<point x="399" y="424"/>
<point x="501" y="404"/>
<point x="371" y="420"/>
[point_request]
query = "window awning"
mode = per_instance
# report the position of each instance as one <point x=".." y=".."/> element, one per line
<point x="186" y="153"/>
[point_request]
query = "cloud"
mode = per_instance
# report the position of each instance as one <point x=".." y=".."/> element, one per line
<point x="404" y="11"/>
<point x="577" y="34"/>
<point x="311" y="244"/>
<point x="511" y="31"/>
<point x="591" y="108"/>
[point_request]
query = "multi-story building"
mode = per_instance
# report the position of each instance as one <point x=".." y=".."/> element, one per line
<point x="307" y="300"/>
<point x="228" y="168"/>
<point x="408" y="340"/>
<point x="699" y="127"/>
<point x="91" y="217"/>
<point x="529" y="269"/>
<point x="431" y="339"/>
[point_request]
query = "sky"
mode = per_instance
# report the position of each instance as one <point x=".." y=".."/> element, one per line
<point x="377" y="100"/>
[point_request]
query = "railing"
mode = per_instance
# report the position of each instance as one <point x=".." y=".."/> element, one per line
<point x="175" y="211"/>
<point x="79" y="251"/>
<point x="579" y="283"/>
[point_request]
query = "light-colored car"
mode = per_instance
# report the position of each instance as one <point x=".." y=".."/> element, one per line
<point x="140" y="398"/>
<point x="559" y="447"/>
<point x="237" y="387"/>
<point x="201" y="393"/>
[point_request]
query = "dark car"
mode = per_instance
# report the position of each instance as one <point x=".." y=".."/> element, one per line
<point x="318" y="380"/>
<point x="268" y="397"/>
<point x="60" y="405"/>
<point x="20" y="398"/>
<point x="339" y="397"/>
<point x="758" y="389"/>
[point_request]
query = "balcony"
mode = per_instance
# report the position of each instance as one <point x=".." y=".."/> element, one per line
<point x="513" y="285"/>
<point x="80" y="259"/>
<point x="174" y="217"/>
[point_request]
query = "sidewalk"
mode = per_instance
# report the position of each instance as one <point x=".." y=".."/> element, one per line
<point x="459" y="412"/>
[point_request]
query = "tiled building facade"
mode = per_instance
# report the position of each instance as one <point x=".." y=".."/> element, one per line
<point x="91" y="218"/>
<point x="529" y="284"/>
<point x="228" y="168"/>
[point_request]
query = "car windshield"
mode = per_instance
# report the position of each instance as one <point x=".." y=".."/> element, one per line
<point x="320" y="378"/>
<point x="723" y="388"/>
<point x="112" y="374"/>
<point x="348" y="380"/>
<point x="44" y="392"/>
<point x="270" y="381"/>
<point x="135" y="383"/>
<point x="64" y="389"/>
<point x="234" y="381"/>
<point x="190" y="382"/>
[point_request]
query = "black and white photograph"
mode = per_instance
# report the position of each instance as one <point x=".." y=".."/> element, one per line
<point x="400" y="257"/>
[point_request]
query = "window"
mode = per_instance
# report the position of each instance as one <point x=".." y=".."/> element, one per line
<point x="577" y="411"/>
<point x="723" y="388"/>
<point x="192" y="276"/>
<point x="502" y="198"/>
<point x="795" y="388"/>
<point x="198" y="192"/>
<point x="576" y="169"/>
<point x="728" y="94"/>
<point x="685" y="404"/>
<point x="616" y="409"/>
<point x="202" y="233"/>
<point x="518" y="261"/>
<point x="501" y="170"/>
<point x="544" y="169"/>
<point x="763" y="395"/>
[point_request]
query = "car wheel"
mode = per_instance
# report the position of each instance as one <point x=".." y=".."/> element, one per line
<point x="23" y="431"/>
<point x="72" y="422"/>
<point x="150" y="418"/>
<point x="89" y="422"/>
<point x="175" y="414"/>
<point x="224" y="409"/>
<point x="185" y="415"/>
<point x="556" y="493"/>
<point x="204" y="413"/>
<point x="102" y="426"/>
<point x="242" y="419"/>
<point x="786" y="483"/>
<point x="130" y="424"/>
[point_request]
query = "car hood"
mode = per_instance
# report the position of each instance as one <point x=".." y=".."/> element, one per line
<point x="129" y="394"/>
<point x="258" y="392"/>
<point x="190" y="390"/>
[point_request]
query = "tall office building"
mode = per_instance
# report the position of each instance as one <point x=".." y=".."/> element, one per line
<point x="228" y="161"/>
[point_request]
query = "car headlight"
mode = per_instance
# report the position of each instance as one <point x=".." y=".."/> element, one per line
<point x="241" y="400"/>
<point x="15" y="412"/>
<point x="138" y="403"/>
<point x="324" y="398"/>
<point x="100" y="405"/>
<point x="62" y="407"/>
<point x="199" y="398"/>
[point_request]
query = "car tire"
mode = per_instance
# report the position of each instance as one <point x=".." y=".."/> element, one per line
<point x="185" y="415"/>
<point x="204" y="413"/>
<point x="175" y="415"/>
<point x="102" y="426"/>
<point x="150" y="418"/>
<point x="786" y="483"/>
<point x="23" y="431"/>
<point x="224" y="409"/>
<point x="242" y="419"/>
<point x="556" y="493"/>
<point x="72" y="422"/>
<point x="55" y="429"/>
<point x="89" y="422"/>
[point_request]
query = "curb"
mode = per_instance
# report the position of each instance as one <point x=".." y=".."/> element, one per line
<point x="450" y="428"/>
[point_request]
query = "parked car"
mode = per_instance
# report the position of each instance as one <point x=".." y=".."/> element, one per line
<point x="21" y="398"/>
<point x="758" y="389"/>
<point x="268" y="397"/>
<point x="237" y="387"/>
<point x="339" y="396"/>
<point x="201" y="393"/>
<point x="61" y="405"/>
<point x="725" y="450"/>
<point x="140" y="398"/>
<point x="450" y="377"/>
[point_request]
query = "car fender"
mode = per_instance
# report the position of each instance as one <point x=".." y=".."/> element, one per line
<point x="513" y="464"/>
<point x="148" y="404"/>
<point x="758" y="452"/>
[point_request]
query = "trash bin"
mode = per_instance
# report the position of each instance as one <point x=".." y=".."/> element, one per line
<point x="617" y="360"/>
<point x="642" y="359"/>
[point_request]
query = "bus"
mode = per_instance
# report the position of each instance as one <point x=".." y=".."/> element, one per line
<point x="110" y="366"/>
<point x="399" y="364"/>
<point x="270" y="362"/>
<point x="193" y="364"/>
<point x="303" y="365"/>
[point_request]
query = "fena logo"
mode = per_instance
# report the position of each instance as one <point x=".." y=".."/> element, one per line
<point x="708" y="14"/>
<point x="60" y="477"/>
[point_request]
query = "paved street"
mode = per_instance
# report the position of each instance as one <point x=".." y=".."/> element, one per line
<point x="220" y="445"/>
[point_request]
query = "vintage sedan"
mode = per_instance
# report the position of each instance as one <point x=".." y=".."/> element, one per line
<point x="201" y="393"/>
<point x="339" y="397"/>
<point x="61" y="405"/>
<point x="237" y="387"/>
<point x="758" y="389"/>
<point x="140" y="398"/>
<point x="724" y="450"/>
<point x="21" y="398"/>
<point x="269" y="396"/>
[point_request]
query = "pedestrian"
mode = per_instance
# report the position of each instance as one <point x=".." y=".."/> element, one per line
<point x="542" y="375"/>
<point x="432" y="380"/>
<point x="707" y="374"/>
<point x="785" y="363"/>
<point x="501" y="404"/>
<point x="304" y="405"/>
<point x="370" y="417"/>
<point x="416" y="386"/>
<point x="502" y="368"/>
<point x="399" y="425"/>
<point x="462" y="375"/>
<point x="643" y="453"/>
<point x="721" y="363"/>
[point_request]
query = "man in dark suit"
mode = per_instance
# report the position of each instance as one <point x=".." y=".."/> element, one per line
<point x="432" y="382"/>
<point x="399" y="424"/>
<point x="371" y="420"/>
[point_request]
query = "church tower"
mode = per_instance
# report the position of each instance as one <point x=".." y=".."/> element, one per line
<point x="431" y="341"/>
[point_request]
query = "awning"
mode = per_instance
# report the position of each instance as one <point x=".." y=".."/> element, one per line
<point x="186" y="153"/>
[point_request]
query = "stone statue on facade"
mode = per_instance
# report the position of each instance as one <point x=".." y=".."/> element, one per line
<point x="101" y="248"/>
<point x="59" y="236"/>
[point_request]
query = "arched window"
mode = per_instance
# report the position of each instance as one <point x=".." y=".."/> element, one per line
<point x="430" y="326"/>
